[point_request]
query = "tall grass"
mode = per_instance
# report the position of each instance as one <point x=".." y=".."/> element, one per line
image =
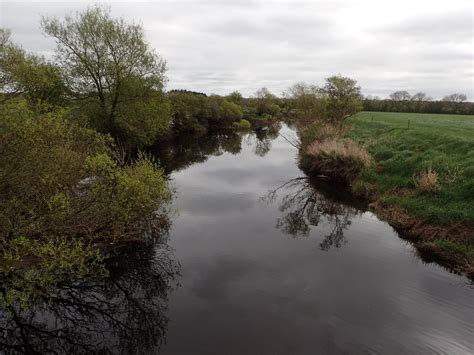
<point x="328" y="153"/>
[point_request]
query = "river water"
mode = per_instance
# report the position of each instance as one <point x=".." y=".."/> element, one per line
<point x="260" y="260"/>
<point x="290" y="270"/>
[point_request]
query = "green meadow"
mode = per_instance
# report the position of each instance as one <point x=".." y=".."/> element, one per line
<point x="404" y="145"/>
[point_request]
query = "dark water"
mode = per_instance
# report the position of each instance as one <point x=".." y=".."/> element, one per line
<point x="257" y="261"/>
<point x="295" y="272"/>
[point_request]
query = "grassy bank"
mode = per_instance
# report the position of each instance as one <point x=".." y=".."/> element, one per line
<point x="420" y="179"/>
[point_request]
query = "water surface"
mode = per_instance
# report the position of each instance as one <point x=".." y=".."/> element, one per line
<point x="259" y="260"/>
<point x="271" y="265"/>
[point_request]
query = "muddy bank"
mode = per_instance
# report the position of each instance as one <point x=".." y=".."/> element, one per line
<point x="428" y="238"/>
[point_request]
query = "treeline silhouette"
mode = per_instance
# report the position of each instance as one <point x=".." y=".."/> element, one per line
<point x="432" y="106"/>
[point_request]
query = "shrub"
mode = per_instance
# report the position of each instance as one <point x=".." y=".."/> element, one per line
<point x="242" y="124"/>
<point x="339" y="159"/>
<point x="62" y="193"/>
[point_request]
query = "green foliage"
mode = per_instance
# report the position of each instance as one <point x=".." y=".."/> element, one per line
<point x="339" y="99"/>
<point x="62" y="192"/>
<point x="308" y="100"/>
<point x="30" y="268"/>
<point x="109" y="63"/>
<point x="191" y="111"/>
<point x="444" y="143"/>
<point x="139" y="122"/>
<point x="243" y="124"/>
<point x="38" y="81"/>
<point x="188" y="110"/>
<point x="235" y="97"/>
<point x="266" y="103"/>
<point x="230" y="111"/>
<point x="344" y="98"/>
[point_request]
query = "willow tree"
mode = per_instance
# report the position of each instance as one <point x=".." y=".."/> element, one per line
<point x="113" y="72"/>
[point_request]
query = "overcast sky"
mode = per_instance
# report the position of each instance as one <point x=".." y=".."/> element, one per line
<point x="221" y="46"/>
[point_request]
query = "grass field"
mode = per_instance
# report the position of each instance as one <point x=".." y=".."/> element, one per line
<point x="405" y="144"/>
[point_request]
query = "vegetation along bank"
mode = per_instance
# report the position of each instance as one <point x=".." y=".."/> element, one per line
<point x="415" y="170"/>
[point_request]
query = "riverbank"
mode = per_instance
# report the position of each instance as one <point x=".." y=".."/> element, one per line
<point x="420" y="179"/>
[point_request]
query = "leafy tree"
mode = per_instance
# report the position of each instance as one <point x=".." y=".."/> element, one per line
<point x="266" y="103"/>
<point x="191" y="110"/>
<point x="235" y="97"/>
<point x="10" y="57"/>
<point x="343" y="98"/>
<point x="308" y="100"/>
<point x="109" y="65"/>
<point x="30" y="76"/>
<point x="230" y="111"/>
<point x="221" y="112"/>
<point x="186" y="110"/>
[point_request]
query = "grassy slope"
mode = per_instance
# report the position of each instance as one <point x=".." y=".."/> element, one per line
<point x="441" y="141"/>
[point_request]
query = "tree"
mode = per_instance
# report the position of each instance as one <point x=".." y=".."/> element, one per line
<point x="420" y="97"/>
<point x="109" y="65"/>
<point x="221" y="112"/>
<point x="455" y="98"/>
<point x="10" y="57"/>
<point x="401" y="95"/>
<point x="344" y="98"/>
<point x="307" y="100"/>
<point x="266" y="103"/>
<point x="235" y="97"/>
<point x="455" y="103"/>
<point x="30" y="76"/>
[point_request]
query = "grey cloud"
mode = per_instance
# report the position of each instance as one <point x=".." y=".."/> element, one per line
<point x="451" y="26"/>
<point x="221" y="46"/>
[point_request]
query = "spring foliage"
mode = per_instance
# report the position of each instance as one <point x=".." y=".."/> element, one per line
<point x="63" y="193"/>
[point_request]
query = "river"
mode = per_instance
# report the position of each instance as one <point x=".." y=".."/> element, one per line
<point x="260" y="260"/>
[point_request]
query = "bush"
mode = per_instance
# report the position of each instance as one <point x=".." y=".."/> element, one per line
<point x="242" y="124"/>
<point x="62" y="191"/>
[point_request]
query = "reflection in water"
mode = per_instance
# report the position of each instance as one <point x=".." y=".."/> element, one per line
<point x="262" y="138"/>
<point x="125" y="313"/>
<point x="188" y="149"/>
<point x="304" y="206"/>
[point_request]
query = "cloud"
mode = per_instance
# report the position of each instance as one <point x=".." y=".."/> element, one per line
<point x="221" y="46"/>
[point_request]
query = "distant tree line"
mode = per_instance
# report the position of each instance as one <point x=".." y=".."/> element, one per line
<point x="402" y="101"/>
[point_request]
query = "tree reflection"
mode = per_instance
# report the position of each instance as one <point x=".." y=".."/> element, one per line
<point x="303" y="206"/>
<point x="125" y="313"/>
<point x="262" y="138"/>
<point x="188" y="149"/>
